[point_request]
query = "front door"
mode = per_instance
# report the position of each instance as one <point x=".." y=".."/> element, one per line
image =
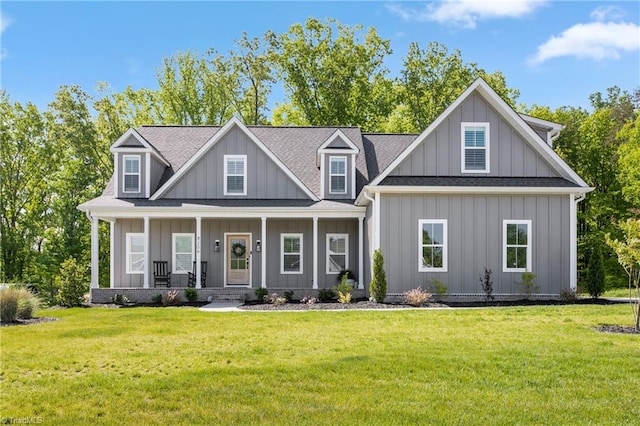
<point x="238" y="259"/>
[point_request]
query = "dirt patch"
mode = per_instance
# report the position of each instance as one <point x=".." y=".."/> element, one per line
<point x="37" y="320"/>
<point x="618" y="329"/>
<point x="332" y="306"/>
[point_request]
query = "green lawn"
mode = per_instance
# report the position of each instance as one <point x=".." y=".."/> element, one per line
<point x="529" y="365"/>
<point x="617" y="292"/>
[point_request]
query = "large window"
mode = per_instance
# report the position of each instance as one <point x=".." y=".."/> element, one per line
<point x="135" y="253"/>
<point x="235" y="175"/>
<point x="337" y="253"/>
<point x="291" y="253"/>
<point x="131" y="173"/>
<point x="517" y="246"/>
<point x="432" y="245"/>
<point x="475" y="147"/>
<point x="337" y="175"/>
<point x="183" y="253"/>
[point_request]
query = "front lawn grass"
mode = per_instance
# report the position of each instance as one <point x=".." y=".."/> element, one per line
<point x="528" y="365"/>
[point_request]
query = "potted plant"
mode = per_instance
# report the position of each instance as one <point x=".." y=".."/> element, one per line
<point x="351" y="278"/>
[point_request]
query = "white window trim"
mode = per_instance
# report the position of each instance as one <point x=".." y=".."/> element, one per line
<point x="346" y="253"/>
<point x="173" y="252"/>
<point x="282" y="253"/>
<point x="125" y="174"/>
<point x="244" y="176"/>
<point x="529" y="246"/>
<point x="129" y="236"/>
<point x="343" y="158"/>
<point x="487" y="147"/>
<point x="445" y="245"/>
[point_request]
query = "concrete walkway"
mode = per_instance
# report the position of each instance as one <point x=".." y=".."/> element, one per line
<point x="229" y="306"/>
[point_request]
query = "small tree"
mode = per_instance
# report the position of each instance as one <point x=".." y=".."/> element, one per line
<point x="487" y="284"/>
<point x="628" y="253"/>
<point x="595" y="272"/>
<point x="378" y="286"/>
<point x="72" y="283"/>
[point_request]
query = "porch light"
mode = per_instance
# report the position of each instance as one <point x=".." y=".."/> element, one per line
<point x="258" y="246"/>
<point x="217" y="246"/>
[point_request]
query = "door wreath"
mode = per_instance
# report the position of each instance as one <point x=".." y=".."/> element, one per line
<point x="238" y="249"/>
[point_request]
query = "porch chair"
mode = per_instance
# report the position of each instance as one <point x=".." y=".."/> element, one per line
<point x="161" y="273"/>
<point x="203" y="275"/>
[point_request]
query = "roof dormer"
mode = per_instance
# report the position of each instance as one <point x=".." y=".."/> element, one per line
<point x="336" y="158"/>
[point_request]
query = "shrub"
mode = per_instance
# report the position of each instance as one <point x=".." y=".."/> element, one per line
<point x="275" y="299"/>
<point x="28" y="303"/>
<point x="8" y="305"/>
<point x="416" y="297"/>
<point x="568" y="295"/>
<point x="309" y="300"/>
<point x="261" y="293"/>
<point x="170" y="298"/>
<point x="439" y="288"/>
<point x="528" y="285"/>
<point x="595" y="272"/>
<point x="350" y="275"/>
<point x="487" y="284"/>
<point x="378" y="285"/>
<point x="72" y="283"/>
<point x="326" y="295"/>
<point x="120" y="299"/>
<point x="191" y="294"/>
<point x="289" y="296"/>
<point x="344" y="298"/>
<point x="344" y="290"/>
<point x="157" y="299"/>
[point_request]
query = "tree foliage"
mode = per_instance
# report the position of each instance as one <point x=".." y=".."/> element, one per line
<point x="595" y="272"/>
<point x="378" y="285"/>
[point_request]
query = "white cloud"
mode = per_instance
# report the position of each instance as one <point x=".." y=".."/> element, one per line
<point x="5" y="21"/>
<point x="466" y="13"/>
<point x="608" y="13"/>
<point x="594" y="40"/>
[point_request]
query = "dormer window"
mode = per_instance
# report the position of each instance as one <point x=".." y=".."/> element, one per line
<point x="131" y="173"/>
<point x="337" y="175"/>
<point x="235" y="175"/>
<point x="475" y="147"/>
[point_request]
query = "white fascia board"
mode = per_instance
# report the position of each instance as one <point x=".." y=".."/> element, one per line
<point x="224" y="213"/>
<point x="115" y="147"/>
<point x="390" y="189"/>
<point x="541" y="122"/>
<point x="215" y="139"/>
<point x="335" y="135"/>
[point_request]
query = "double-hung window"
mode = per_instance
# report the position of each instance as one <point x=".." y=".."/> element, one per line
<point x="291" y="253"/>
<point x="432" y="245"/>
<point x="516" y="246"/>
<point x="475" y="147"/>
<point x="183" y="253"/>
<point x="337" y="253"/>
<point x="235" y="175"/>
<point x="131" y="173"/>
<point x="135" y="253"/>
<point x="337" y="175"/>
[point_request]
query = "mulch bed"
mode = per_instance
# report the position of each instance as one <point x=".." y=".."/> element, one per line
<point x="333" y="306"/>
<point x="37" y="320"/>
<point x="618" y="329"/>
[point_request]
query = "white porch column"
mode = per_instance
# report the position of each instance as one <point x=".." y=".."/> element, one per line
<point x="573" y="242"/>
<point x="147" y="252"/>
<point x="361" y="253"/>
<point x="315" y="252"/>
<point x="198" y="252"/>
<point x="95" y="251"/>
<point x="112" y="256"/>
<point x="263" y="261"/>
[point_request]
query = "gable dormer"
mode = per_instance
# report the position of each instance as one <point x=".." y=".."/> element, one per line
<point x="336" y="158"/>
<point x="137" y="166"/>
<point x="547" y="130"/>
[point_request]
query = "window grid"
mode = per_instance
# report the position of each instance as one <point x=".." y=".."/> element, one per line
<point x="337" y="253"/>
<point x="235" y="175"/>
<point x="183" y="253"/>
<point x="291" y="254"/>
<point x="517" y="246"/>
<point x="131" y="182"/>
<point x="432" y="245"/>
<point x="475" y="148"/>
<point x="135" y="253"/>
<point x="337" y="175"/>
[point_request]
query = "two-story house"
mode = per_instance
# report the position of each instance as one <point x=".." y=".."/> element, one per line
<point x="233" y="208"/>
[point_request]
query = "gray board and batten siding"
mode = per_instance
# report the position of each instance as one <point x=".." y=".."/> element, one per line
<point x="440" y="153"/>
<point x="143" y="174"/>
<point x="205" y="178"/>
<point x="161" y="231"/>
<point x="327" y="178"/>
<point x="475" y="240"/>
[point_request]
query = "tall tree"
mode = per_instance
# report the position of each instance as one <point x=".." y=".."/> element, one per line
<point x="332" y="73"/>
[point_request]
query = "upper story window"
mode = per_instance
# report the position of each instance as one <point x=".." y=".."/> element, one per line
<point x="516" y="246"/>
<point x="475" y="147"/>
<point x="432" y="245"/>
<point x="337" y="175"/>
<point x="235" y="175"/>
<point x="131" y="173"/>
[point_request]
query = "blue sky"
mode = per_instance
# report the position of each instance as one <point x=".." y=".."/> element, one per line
<point x="555" y="53"/>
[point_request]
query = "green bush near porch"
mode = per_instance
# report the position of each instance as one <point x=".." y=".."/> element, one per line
<point x="529" y="365"/>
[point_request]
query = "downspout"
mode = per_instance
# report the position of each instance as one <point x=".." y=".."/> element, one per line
<point x="573" y="237"/>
